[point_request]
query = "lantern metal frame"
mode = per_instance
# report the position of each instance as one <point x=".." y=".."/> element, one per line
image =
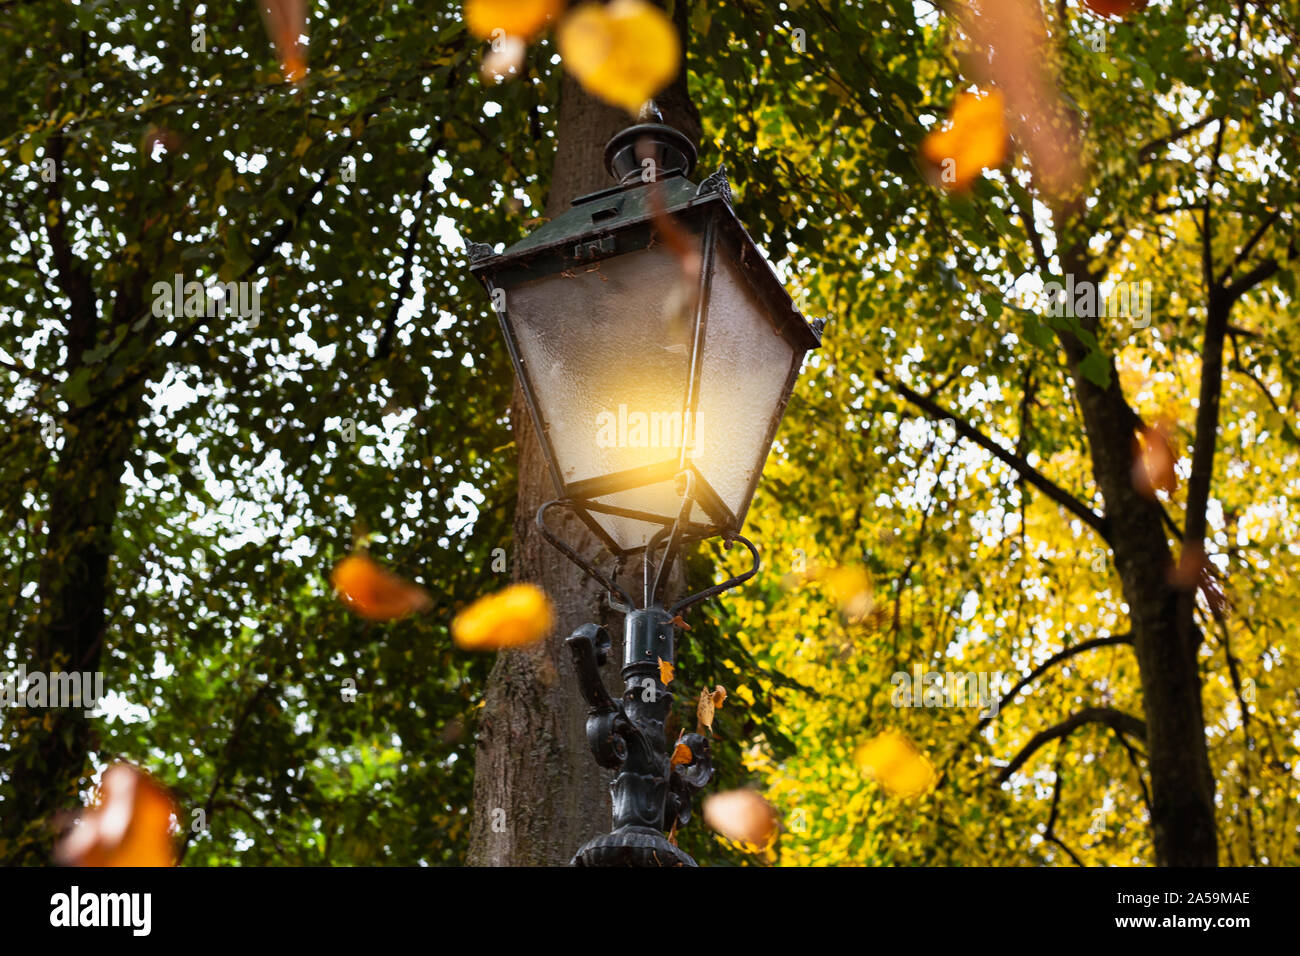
<point x="651" y="164"/>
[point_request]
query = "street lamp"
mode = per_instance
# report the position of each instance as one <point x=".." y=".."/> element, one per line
<point x="656" y="350"/>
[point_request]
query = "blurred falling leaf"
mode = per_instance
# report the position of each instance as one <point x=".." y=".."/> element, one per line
<point x="850" y="586"/>
<point x="681" y="755"/>
<point x="719" y="695"/>
<point x="374" y="593"/>
<point x="129" y="826"/>
<point x="286" y="21"/>
<point x="1115" y="8"/>
<point x="1013" y="55"/>
<point x="665" y="672"/>
<point x="505" y="58"/>
<point x="682" y="298"/>
<point x="1194" y="571"/>
<point x="515" y="18"/>
<point x="896" y="764"/>
<point x="547" y="675"/>
<point x="519" y="615"/>
<point x="973" y="139"/>
<point x="1154" y="457"/>
<point x="452" y="731"/>
<point x="624" y="52"/>
<point x="159" y="136"/>
<point x="742" y="816"/>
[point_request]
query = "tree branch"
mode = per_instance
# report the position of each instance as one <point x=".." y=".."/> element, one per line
<point x="1050" y="832"/>
<point x="1153" y="147"/>
<point x="1031" y="474"/>
<point x="1117" y="720"/>
<point x="1257" y="235"/>
<point x="1057" y="658"/>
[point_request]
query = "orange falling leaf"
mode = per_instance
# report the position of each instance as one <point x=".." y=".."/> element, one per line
<point x="1153" y="467"/>
<point x="1195" y="571"/>
<point x="1013" y="55"/>
<point x="286" y="22"/>
<point x="665" y="672"/>
<point x="494" y="19"/>
<point x="623" y="52"/>
<point x="973" y="139"/>
<point x="1119" y="9"/>
<point x="896" y="764"/>
<point x="719" y="695"/>
<point x="374" y="593"/>
<point x="517" y="616"/>
<point x="742" y="816"/>
<point x="681" y="756"/>
<point x="130" y="824"/>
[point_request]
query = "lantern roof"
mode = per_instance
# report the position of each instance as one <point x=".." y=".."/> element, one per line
<point x="587" y="231"/>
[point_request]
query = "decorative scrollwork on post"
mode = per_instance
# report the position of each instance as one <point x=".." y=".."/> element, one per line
<point x="651" y="796"/>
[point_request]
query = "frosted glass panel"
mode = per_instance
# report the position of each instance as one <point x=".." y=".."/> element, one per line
<point x="608" y="354"/>
<point x="628" y="533"/>
<point x="745" y="370"/>
<point x="659" y="498"/>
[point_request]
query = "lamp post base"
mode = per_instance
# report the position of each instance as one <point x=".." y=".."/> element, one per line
<point x="631" y="846"/>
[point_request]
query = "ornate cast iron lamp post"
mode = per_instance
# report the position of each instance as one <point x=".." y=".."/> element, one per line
<point x="656" y="350"/>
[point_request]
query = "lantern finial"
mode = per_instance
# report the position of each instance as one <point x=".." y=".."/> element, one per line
<point x="649" y="151"/>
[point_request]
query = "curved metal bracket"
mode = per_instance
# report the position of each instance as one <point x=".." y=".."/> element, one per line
<point x="627" y="604"/>
<point x="608" y="727"/>
<point x="726" y="585"/>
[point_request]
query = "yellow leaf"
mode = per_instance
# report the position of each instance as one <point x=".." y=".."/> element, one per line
<point x="518" y="18"/>
<point x="519" y="615"/>
<point x="893" y="760"/>
<point x="851" y="588"/>
<point x="665" y="672"/>
<point x="624" y="53"/>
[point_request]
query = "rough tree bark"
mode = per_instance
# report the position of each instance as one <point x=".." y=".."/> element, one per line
<point x="1182" y="784"/>
<point x="538" y="793"/>
<point x="85" y="494"/>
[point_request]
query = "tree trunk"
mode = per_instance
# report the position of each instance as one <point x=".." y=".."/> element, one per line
<point x="85" y="494"/>
<point x="1182" y="784"/>
<point x="538" y="793"/>
<point x="69" y="634"/>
